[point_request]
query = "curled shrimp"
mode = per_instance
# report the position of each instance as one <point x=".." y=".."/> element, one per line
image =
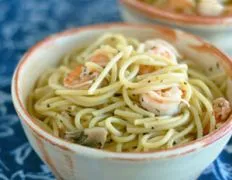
<point x="100" y="57"/>
<point x="210" y="8"/>
<point x="163" y="102"/>
<point x="82" y="77"/>
<point x="163" y="49"/>
<point x="159" y="48"/>
<point x="221" y="109"/>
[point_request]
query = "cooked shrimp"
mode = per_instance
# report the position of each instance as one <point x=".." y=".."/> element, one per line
<point x="221" y="111"/>
<point x="164" y="102"/>
<point x="159" y="48"/>
<point x="100" y="58"/>
<point x="221" y="108"/>
<point x="210" y="8"/>
<point x="162" y="48"/>
<point x="82" y="77"/>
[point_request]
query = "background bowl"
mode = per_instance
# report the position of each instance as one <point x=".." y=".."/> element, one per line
<point x="218" y="30"/>
<point x="71" y="161"/>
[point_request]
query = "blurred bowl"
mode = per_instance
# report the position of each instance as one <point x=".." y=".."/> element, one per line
<point x="217" y="30"/>
<point x="72" y="161"/>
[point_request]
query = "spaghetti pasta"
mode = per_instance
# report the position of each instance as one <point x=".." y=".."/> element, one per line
<point x="133" y="96"/>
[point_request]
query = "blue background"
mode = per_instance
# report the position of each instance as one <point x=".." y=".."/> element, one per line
<point x="22" y="24"/>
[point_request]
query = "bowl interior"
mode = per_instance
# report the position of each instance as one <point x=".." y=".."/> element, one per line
<point x="49" y="52"/>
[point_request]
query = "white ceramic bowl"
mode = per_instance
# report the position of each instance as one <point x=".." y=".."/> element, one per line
<point x="71" y="161"/>
<point x="218" y="30"/>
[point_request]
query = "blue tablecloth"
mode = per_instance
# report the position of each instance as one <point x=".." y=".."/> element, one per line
<point x="22" y="24"/>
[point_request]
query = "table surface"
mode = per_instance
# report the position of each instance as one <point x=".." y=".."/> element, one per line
<point x="22" y="24"/>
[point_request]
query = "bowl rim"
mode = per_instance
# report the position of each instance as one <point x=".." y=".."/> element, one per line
<point x="159" y="14"/>
<point x="176" y="151"/>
